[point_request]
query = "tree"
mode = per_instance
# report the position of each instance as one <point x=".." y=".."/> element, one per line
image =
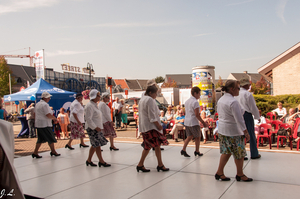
<point x="4" y="77"/>
<point x="220" y="83"/>
<point x="159" y="79"/>
<point x="261" y="87"/>
<point x="169" y="83"/>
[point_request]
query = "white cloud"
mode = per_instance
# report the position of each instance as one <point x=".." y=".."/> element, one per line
<point x="22" y="5"/>
<point x="133" y="25"/>
<point x="238" y="3"/>
<point x="67" y="52"/>
<point x="204" y="34"/>
<point x="280" y="9"/>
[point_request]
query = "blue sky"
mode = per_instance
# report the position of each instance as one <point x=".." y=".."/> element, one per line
<point x="144" y="39"/>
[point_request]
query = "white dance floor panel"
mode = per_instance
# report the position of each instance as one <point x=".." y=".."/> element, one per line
<point x="275" y="175"/>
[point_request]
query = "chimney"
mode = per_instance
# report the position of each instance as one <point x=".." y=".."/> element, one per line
<point x="246" y="72"/>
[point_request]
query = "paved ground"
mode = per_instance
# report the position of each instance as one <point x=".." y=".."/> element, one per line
<point x="25" y="146"/>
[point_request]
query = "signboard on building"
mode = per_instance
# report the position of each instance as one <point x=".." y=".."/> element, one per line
<point x="39" y="64"/>
<point x="76" y="69"/>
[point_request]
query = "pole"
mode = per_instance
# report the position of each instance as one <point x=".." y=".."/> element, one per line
<point x="111" y="110"/>
<point x="10" y="91"/>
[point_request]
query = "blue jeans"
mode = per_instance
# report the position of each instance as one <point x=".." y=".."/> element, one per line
<point x="250" y="128"/>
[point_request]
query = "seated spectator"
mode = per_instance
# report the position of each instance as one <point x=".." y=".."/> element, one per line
<point x="204" y="129"/>
<point x="179" y="125"/>
<point x="178" y="109"/>
<point x="291" y="118"/>
<point x="215" y="132"/>
<point x="208" y="114"/>
<point x="169" y="114"/>
<point x="163" y="120"/>
<point x="257" y="124"/>
<point x="281" y="112"/>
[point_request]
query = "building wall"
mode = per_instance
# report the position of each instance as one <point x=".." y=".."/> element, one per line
<point x="286" y="76"/>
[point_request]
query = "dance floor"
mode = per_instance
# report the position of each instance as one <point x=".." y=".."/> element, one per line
<point x="276" y="175"/>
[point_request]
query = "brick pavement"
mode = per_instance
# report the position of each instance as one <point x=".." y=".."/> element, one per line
<point x="25" y="146"/>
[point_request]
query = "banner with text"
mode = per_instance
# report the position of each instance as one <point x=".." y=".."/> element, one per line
<point x="39" y="64"/>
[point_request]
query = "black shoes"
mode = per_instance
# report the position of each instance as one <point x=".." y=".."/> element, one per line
<point x="218" y="177"/>
<point x="245" y="158"/>
<point x="36" y="156"/>
<point x="239" y="178"/>
<point x="259" y="156"/>
<point x="176" y="140"/>
<point x="162" y="168"/>
<point x="55" y="154"/>
<point x="142" y="168"/>
<point x="84" y="146"/>
<point x="104" y="164"/>
<point x="184" y="153"/>
<point x="115" y="149"/>
<point x="160" y="149"/>
<point x="90" y="163"/>
<point x="67" y="146"/>
<point x="198" y="153"/>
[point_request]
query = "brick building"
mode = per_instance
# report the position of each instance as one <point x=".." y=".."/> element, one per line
<point x="284" y="71"/>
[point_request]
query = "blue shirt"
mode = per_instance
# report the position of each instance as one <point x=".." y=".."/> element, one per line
<point x="1" y="114"/>
<point x="180" y="118"/>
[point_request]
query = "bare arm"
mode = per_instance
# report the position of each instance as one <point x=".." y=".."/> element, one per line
<point x="197" y="113"/>
<point x="49" y="115"/>
<point x="158" y="126"/>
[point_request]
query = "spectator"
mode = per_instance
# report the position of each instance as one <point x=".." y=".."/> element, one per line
<point x="63" y="120"/>
<point x="208" y="114"/>
<point x="203" y="128"/>
<point x="257" y="123"/>
<point x="135" y="108"/>
<point x="117" y="108"/>
<point x="291" y="117"/>
<point x="108" y="127"/>
<point x="169" y="114"/>
<point x="22" y="110"/>
<point x="43" y="118"/>
<point x="179" y="125"/>
<point x="281" y="112"/>
<point x="30" y="116"/>
<point x="125" y="109"/>
<point x="178" y="109"/>
<point x="163" y="120"/>
<point x="94" y="127"/>
<point x="76" y="122"/>
<point x="2" y="113"/>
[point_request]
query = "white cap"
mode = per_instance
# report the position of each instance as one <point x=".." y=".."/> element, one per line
<point x="46" y="95"/>
<point x="105" y="94"/>
<point x="93" y="94"/>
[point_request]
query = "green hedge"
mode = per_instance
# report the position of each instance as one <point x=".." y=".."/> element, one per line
<point x="267" y="103"/>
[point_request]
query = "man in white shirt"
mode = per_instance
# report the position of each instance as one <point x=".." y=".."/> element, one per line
<point x="247" y="103"/>
<point x="206" y="111"/>
<point x="117" y="107"/>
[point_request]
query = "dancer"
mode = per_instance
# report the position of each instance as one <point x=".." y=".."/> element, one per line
<point x="77" y="120"/>
<point x="191" y="122"/>
<point x="93" y="126"/>
<point x="150" y="128"/>
<point x="232" y="132"/>
<point x="43" y="124"/>
<point x="108" y="125"/>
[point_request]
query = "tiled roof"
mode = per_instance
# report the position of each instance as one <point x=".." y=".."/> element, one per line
<point x="254" y="76"/>
<point x="180" y="79"/>
<point x="142" y="83"/>
<point x="122" y="83"/>
<point x="133" y="84"/>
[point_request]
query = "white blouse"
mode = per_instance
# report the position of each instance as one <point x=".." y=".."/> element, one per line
<point x="93" y="116"/>
<point x="76" y="108"/>
<point x="42" y="109"/>
<point x="148" y="113"/>
<point x="190" y="118"/>
<point x="280" y="112"/>
<point x="231" y="120"/>
<point x="105" y="110"/>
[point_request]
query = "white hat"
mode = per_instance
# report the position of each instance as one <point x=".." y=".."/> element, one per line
<point x="46" y="95"/>
<point x="93" y="94"/>
<point x="244" y="82"/>
<point x="105" y="94"/>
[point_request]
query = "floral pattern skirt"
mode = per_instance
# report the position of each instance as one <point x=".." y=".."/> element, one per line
<point x="108" y="130"/>
<point x="152" y="139"/>
<point x="96" y="138"/>
<point x="234" y="145"/>
<point x="77" y="131"/>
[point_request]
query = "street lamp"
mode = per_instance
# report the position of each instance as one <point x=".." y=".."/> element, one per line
<point x="89" y="67"/>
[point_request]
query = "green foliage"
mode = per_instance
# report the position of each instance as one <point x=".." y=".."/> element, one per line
<point x="260" y="87"/>
<point x="4" y="77"/>
<point x="159" y="79"/>
<point x="267" y="103"/>
<point x="219" y="83"/>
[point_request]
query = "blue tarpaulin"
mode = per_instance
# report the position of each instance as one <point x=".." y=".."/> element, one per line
<point x="60" y="98"/>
